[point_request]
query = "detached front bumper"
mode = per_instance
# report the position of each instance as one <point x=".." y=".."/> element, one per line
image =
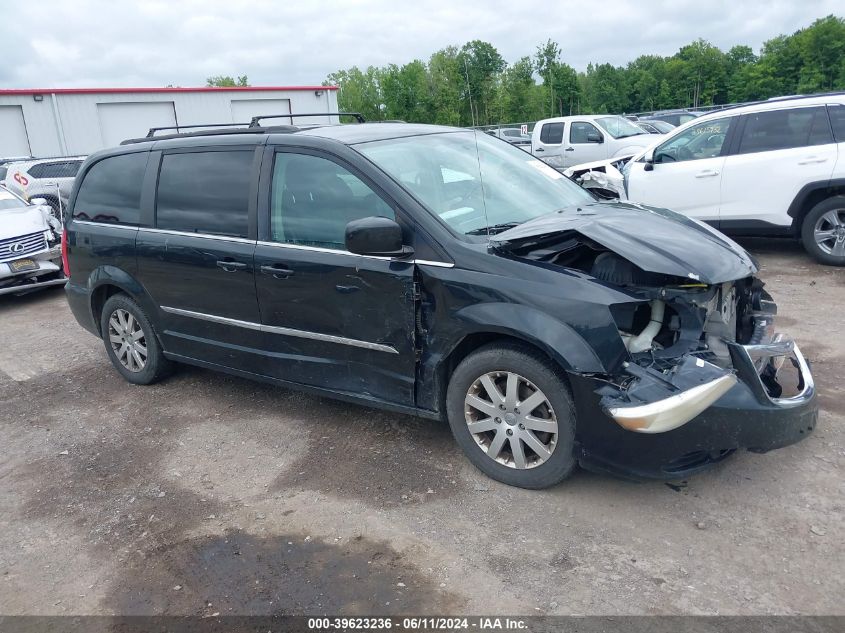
<point x="748" y="415"/>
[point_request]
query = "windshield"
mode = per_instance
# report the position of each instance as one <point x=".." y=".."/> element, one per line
<point x="10" y="201"/>
<point x="446" y="172"/>
<point x="619" y="127"/>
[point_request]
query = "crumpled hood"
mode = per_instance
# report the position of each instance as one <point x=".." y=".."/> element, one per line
<point x="656" y="240"/>
<point x="22" y="221"/>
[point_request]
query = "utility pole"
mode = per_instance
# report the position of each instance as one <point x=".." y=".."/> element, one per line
<point x="469" y="92"/>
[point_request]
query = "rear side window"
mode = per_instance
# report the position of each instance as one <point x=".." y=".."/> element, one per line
<point x="205" y="192"/>
<point x="111" y="190"/>
<point x="552" y="133"/>
<point x="784" y="129"/>
<point x="837" y="122"/>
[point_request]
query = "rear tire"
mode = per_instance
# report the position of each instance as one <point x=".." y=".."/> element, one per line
<point x="511" y="412"/>
<point x="131" y="343"/>
<point x="823" y="231"/>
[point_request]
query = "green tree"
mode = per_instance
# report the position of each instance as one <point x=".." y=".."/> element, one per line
<point x="225" y="81"/>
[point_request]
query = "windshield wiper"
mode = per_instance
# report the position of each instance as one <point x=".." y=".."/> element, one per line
<point x="494" y="229"/>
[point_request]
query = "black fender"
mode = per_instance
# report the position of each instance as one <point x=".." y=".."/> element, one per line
<point x="557" y="339"/>
<point x="811" y="194"/>
<point x="113" y="276"/>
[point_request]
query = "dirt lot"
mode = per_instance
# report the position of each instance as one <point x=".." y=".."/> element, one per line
<point x="210" y="494"/>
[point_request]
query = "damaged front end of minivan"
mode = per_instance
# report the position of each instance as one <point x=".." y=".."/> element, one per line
<point x="704" y="372"/>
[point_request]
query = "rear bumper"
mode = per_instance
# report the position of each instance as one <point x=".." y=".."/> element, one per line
<point x="745" y="417"/>
<point x="79" y="300"/>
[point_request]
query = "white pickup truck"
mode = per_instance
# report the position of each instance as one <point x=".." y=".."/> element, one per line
<point x="572" y="140"/>
<point x="30" y="249"/>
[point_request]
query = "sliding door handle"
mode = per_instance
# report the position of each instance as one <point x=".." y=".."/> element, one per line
<point x="278" y="271"/>
<point x="231" y="267"/>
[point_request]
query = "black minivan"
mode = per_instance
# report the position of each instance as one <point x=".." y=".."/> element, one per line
<point x="439" y="272"/>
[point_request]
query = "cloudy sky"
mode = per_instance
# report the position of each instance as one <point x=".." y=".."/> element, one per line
<point x="56" y="43"/>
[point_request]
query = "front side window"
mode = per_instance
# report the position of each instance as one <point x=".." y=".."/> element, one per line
<point x="581" y="132"/>
<point x="313" y="199"/>
<point x="704" y="140"/>
<point x="619" y="127"/>
<point x="205" y="192"/>
<point x="111" y="190"/>
<point x="473" y="183"/>
<point x="784" y="129"/>
<point x="551" y="133"/>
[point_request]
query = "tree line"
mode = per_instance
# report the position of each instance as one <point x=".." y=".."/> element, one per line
<point x="473" y="85"/>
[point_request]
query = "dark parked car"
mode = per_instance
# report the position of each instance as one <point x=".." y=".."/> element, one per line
<point x="655" y="126"/>
<point x="675" y="117"/>
<point x="368" y="263"/>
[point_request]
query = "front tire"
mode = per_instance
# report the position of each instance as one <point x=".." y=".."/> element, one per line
<point x="131" y="342"/>
<point x="511" y="412"/>
<point x="823" y="231"/>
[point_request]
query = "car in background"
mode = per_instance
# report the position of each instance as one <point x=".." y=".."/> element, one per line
<point x="655" y="126"/>
<point x="571" y="140"/>
<point x="4" y="166"/>
<point x="50" y="179"/>
<point x="771" y="168"/>
<point x="512" y="135"/>
<point x="30" y="250"/>
<point x="675" y="117"/>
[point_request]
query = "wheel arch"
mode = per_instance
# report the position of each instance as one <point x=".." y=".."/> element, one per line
<point x="513" y="324"/>
<point x="809" y="196"/>
<point x="107" y="281"/>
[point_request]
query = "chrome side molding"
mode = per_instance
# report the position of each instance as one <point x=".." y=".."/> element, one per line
<point x="284" y="331"/>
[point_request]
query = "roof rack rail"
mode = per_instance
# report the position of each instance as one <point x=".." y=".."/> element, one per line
<point x="254" y="122"/>
<point x="153" y="130"/>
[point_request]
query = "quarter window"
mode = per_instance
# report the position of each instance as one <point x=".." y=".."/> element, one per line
<point x="705" y="140"/>
<point x="552" y="133"/>
<point x="111" y="190"/>
<point x="65" y="169"/>
<point x="783" y="129"/>
<point x="205" y="192"/>
<point x="313" y="199"/>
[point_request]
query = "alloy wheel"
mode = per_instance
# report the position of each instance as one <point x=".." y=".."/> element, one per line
<point x="511" y="420"/>
<point x="127" y="340"/>
<point x="829" y="232"/>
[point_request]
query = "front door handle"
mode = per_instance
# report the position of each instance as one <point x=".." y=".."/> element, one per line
<point x="277" y="270"/>
<point x="707" y="173"/>
<point x="230" y="266"/>
<point x="809" y="160"/>
<point x="539" y="149"/>
<point x="570" y="149"/>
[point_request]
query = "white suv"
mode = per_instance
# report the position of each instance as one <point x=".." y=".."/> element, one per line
<point x="572" y="140"/>
<point x="771" y="168"/>
<point x="51" y="179"/>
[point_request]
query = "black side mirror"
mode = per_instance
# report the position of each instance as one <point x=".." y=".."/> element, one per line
<point x="376" y="236"/>
<point x="594" y="137"/>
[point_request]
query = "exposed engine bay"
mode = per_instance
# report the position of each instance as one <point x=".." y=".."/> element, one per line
<point x="684" y="337"/>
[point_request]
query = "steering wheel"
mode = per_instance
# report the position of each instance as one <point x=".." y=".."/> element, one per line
<point x="684" y="153"/>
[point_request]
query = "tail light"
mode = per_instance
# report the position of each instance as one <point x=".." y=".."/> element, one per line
<point x="65" y="264"/>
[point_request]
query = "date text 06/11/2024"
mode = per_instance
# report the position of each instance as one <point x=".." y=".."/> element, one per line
<point x="416" y="623"/>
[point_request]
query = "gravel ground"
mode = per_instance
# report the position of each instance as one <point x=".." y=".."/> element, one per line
<point x="210" y="494"/>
